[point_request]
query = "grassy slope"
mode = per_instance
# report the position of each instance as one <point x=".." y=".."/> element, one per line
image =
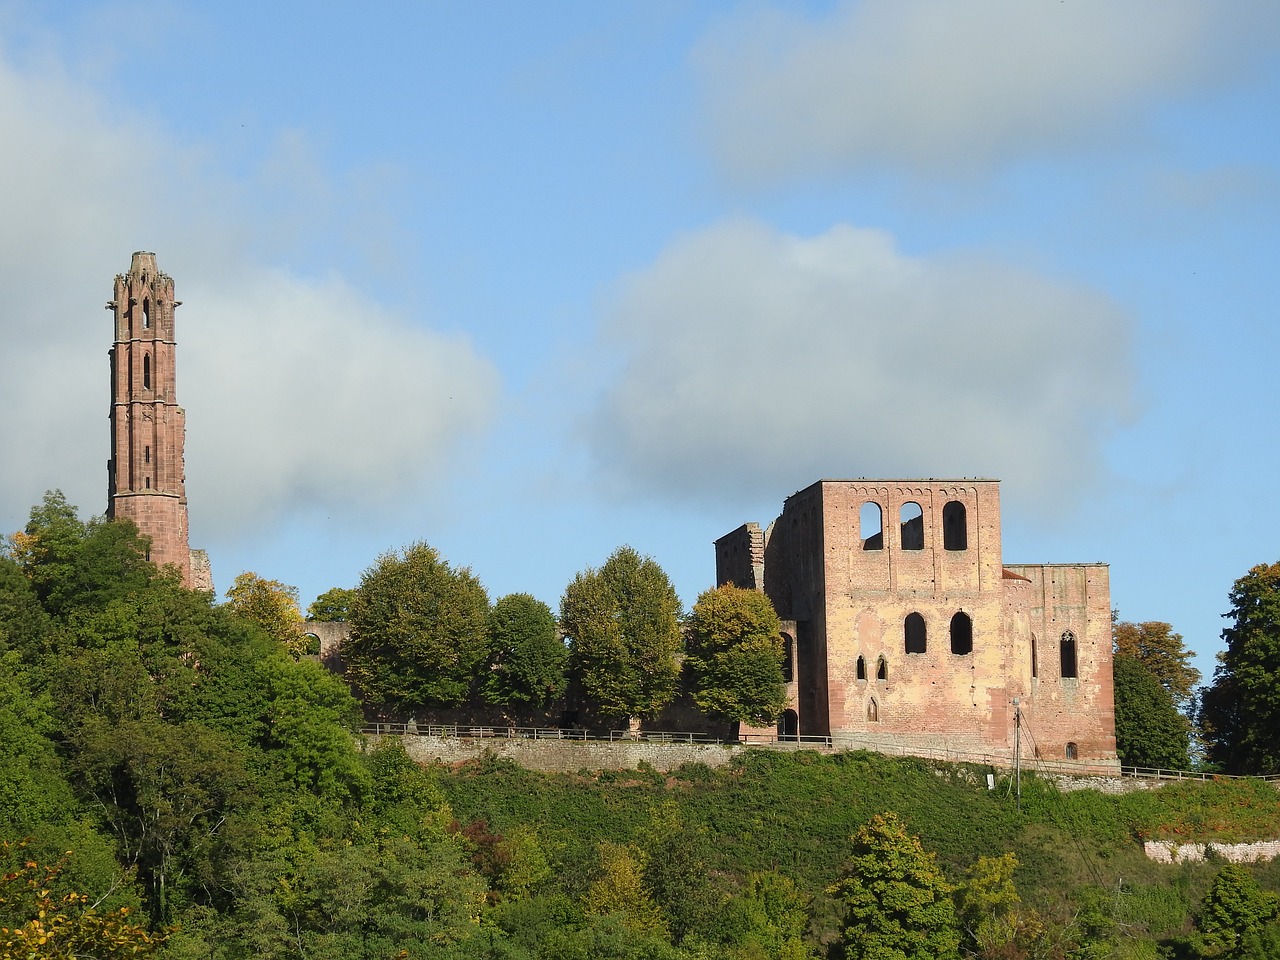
<point x="795" y="811"/>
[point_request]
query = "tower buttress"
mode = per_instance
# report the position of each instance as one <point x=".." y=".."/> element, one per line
<point x="146" y="479"/>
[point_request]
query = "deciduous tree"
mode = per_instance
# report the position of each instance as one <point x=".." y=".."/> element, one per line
<point x="1235" y="908"/>
<point x="623" y="625"/>
<point x="527" y="658"/>
<point x="332" y="606"/>
<point x="1150" y="732"/>
<point x="1240" y="711"/>
<point x="897" y="904"/>
<point x="419" y="630"/>
<point x="735" y="656"/>
<point x="272" y="605"/>
<point x="1162" y="653"/>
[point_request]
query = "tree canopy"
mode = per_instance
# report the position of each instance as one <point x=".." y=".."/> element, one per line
<point x="1162" y="653"/>
<point x="623" y="626"/>
<point x="272" y="605"/>
<point x="897" y="903"/>
<point x="527" y="659"/>
<point x="419" y="631"/>
<point x="1240" y="711"/>
<point x="735" y="656"/>
<point x="1150" y="732"/>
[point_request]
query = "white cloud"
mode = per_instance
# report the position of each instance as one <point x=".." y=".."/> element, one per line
<point x="300" y="393"/>
<point x="935" y="86"/>
<point x="758" y="362"/>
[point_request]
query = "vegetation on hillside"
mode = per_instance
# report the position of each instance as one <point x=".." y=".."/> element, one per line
<point x="177" y="782"/>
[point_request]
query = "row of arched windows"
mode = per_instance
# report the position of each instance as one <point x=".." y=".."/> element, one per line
<point x="915" y="634"/>
<point x="955" y="526"/>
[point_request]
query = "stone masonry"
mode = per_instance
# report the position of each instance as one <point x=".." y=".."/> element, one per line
<point x="146" y="476"/>
<point x="904" y="625"/>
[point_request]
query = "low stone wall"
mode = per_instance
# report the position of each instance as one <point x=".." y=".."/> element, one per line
<point x="1166" y="851"/>
<point x="565" y="756"/>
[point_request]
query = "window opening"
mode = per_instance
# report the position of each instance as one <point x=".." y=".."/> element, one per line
<point x="788" y="725"/>
<point x="862" y="668"/>
<point x="882" y="669"/>
<point x="955" y="526"/>
<point x="961" y="634"/>
<point x="146" y="371"/>
<point x="1071" y="751"/>
<point x="1067" y="648"/>
<point x="146" y="314"/>
<point x="148" y="483"/>
<point x="912" y="526"/>
<point x="871" y="526"/>
<point x="915" y="634"/>
<point x="146" y="457"/>
<point x="788" y="661"/>
<point x="873" y="711"/>
<point x="1034" y="665"/>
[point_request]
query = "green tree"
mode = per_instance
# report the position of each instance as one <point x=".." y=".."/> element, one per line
<point x="1240" y="711"/>
<point x="768" y="920"/>
<point x="623" y="625"/>
<point x="897" y="904"/>
<point x="1234" y="910"/>
<point x="272" y="605"/>
<point x="419" y="631"/>
<point x="1162" y="653"/>
<point x="332" y="606"/>
<point x="735" y="656"/>
<point x="74" y="564"/>
<point x="1150" y="732"/>
<point x="619" y="890"/>
<point x="527" y="658"/>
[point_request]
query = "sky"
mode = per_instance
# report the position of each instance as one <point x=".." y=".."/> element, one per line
<point x="529" y="282"/>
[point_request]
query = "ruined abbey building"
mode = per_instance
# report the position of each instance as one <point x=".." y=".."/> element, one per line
<point x="146" y="475"/>
<point x="905" y="628"/>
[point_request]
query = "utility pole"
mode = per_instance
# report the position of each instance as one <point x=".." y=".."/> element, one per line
<point x="1017" y="752"/>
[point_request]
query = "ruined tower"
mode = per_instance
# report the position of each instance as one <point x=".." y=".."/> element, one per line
<point x="146" y="476"/>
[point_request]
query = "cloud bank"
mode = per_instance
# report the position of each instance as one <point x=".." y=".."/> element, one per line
<point x="937" y="87"/>
<point x="756" y="362"/>
<point x="301" y="393"/>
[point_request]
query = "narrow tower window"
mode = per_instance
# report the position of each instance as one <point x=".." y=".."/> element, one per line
<point x="912" y="521"/>
<point x="1034" y="664"/>
<point x="788" y="661"/>
<point x="146" y="314"/>
<point x="1067" y="648"/>
<point x="915" y="634"/>
<point x="862" y="668"/>
<point x="961" y="634"/>
<point x="955" y="527"/>
<point x="871" y="526"/>
<point x="882" y="669"/>
<point x="146" y="372"/>
<point x="146" y="457"/>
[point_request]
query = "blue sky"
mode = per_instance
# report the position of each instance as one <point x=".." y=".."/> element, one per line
<point x="532" y="281"/>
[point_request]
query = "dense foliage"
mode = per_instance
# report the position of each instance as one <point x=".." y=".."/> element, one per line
<point x="176" y="783"/>
<point x="527" y="659"/>
<point x="735" y="656"/>
<point x="1150" y="732"/>
<point x="623" y="626"/>
<point x="419" y="631"/>
<point x="1240" y="712"/>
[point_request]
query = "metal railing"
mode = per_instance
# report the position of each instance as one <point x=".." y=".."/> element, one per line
<point x="1078" y="768"/>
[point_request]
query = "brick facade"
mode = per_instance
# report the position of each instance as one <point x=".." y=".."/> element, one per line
<point x="907" y="628"/>
<point x="146" y="475"/>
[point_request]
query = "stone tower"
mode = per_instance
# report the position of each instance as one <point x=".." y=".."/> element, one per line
<point x="146" y="480"/>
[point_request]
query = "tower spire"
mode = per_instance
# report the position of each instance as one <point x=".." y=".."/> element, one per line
<point x="146" y="479"/>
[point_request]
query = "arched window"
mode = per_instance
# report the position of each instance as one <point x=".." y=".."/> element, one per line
<point x="146" y="371"/>
<point x="862" y="668"/>
<point x="1035" y="666"/>
<point x="873" y="711"/>
<point x="955" y="526"/>
<point x="146" y="314"/>
<point x="1072" y="752"/>
<point x="912" y="526"/>
<point x="871" y="526"/>
<point x="788" y="725"/>
<point x="961" y="634"/>
<point x="788" y="660"/>
<point x="1067" y="649"/>
<point x="914" y="633"/>
<point x="882" y="669"/>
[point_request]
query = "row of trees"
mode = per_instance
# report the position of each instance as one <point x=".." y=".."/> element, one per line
<point x="423" y="635"/>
